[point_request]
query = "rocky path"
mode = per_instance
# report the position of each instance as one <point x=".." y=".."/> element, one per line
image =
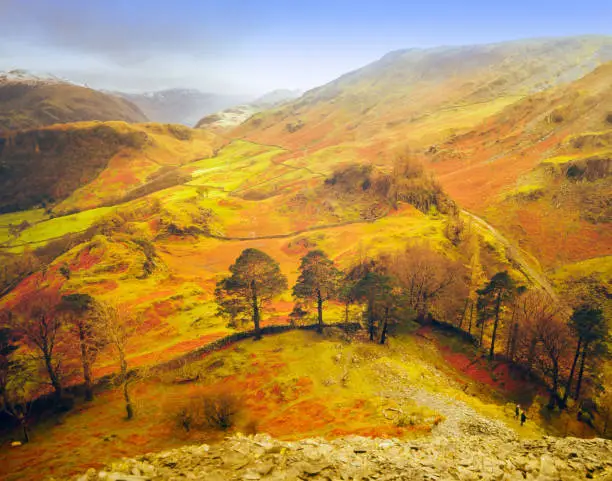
<point x="355" y="458"/>
<point x="459" y="418"/>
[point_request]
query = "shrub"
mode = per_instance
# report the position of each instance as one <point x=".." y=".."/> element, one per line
<point x="220" y="410"/>
<point x="185" y="418"/>
<point x="216" y="411"/>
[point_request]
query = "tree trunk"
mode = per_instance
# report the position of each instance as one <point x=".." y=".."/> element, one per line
<point x="497" y="306"/>
<point x="255" y="311"/>
<point x="383" y="336"/>
<point x="471" y="315"/>
<point x="422" y="316"/>
<point x="568" y="385"/>
<point x="26" y="436"/>
<point x="371" y="320"/>
<point x="346" y="313"/>
<point x="57" y="386"/>
<point x="555" y="386"/>
<point x="464" y="312"/>
<point x="581" y="372"/>
<point x="86" y="365"/>
<point x="482" y="326"/>
<point x="320" y="311"/>
<point x="129" y="409"/>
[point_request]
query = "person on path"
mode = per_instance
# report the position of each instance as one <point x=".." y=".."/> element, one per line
<point x="523" y="417"/>
<point x="517" y="411"/>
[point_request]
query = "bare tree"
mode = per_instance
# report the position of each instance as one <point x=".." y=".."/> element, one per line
<point x="79" y="309"/>
<point x="40" y="326"/>
<point x="425" y="276"/>
<point x="554" y="336"/>
<point x="118" y="324"/>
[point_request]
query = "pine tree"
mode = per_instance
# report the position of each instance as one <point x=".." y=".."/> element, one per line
<point x="588" y="323"/>
<point x="318" y="281"/>
<point x="255" y="279"/>
<point x="500" y="289"/>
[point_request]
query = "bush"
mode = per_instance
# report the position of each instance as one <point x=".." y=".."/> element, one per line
<point x="220" y="410"/>
<point x="216" y="411"/>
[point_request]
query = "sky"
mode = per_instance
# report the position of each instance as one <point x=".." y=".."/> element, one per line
<point x="254" y="46"/>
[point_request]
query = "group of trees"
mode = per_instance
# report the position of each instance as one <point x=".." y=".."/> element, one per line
<point x="418" y="281"/>
<point x="558" y="341"/>
<point x="547" y="339"/>
<point x="46" y="335"/>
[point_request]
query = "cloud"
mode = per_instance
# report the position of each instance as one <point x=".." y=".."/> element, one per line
<point x="122" y="31"/>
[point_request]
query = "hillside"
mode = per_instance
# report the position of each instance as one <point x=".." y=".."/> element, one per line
<point x="28" y="102"/>
<point x="181" y="106"/>
<point x="540" y="169"/>
<point x="95" y="163"/>
<point x="419" y="96"/>
<point x="482" y="116"/>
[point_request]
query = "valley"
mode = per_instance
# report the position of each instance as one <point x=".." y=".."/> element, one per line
<point x="456" y="203"/>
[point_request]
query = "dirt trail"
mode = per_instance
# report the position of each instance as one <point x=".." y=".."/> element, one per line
<point x="515" y="255"/>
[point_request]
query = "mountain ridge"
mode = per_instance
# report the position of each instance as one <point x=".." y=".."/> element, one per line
<point x="28" y="101"/>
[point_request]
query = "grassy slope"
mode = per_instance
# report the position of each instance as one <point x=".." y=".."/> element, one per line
<point x="418" y="96"/>
<point x="177" y="297"/>
<point x="483" y="101"/>
<point x="180" y="316"/>
<point x="512" y="168"/>
<point x="289" y="385"/>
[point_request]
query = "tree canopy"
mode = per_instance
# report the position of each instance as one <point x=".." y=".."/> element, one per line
<point x="255" y="279"/>
<point x="318" y="281"/>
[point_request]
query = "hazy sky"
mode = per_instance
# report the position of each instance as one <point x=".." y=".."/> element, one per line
<point x="252" y="46"/>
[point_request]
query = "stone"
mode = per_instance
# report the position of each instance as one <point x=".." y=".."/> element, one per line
<point x="547" y="466"/>
<point x="264" y="468"/>
<point x="235" y="461"/>
<point x="251" y="476"/>
<point x="448" y="455"/>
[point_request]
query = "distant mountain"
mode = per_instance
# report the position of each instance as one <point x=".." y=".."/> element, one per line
<point x="31" y="101"/>
<point x="276" y="97"/>
<point x="182" y="106"/>
<point x="234" y="116"/>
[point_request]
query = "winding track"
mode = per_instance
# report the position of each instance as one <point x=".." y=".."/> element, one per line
<point x="515" y="255"/>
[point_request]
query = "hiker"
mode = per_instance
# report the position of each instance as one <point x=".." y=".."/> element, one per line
<point x="523" y="417"/>
<point x="517" y="411"/>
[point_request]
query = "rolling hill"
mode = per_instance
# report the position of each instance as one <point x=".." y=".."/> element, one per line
<point x="28" y="101"/>
<point x="483" y="116"/>
<point x="89" y="164"/>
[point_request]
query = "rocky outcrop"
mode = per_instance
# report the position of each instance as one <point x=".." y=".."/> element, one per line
<point x="468" y="457"/>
